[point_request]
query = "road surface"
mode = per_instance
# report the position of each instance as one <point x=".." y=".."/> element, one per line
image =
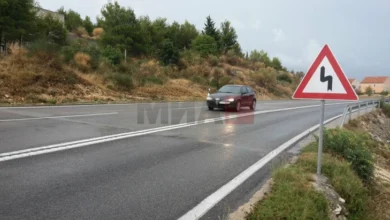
<point x="157" y="174"/>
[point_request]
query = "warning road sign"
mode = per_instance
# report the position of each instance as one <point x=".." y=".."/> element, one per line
<point x="325" y="80"/>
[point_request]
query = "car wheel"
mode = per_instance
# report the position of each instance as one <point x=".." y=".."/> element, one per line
<point x="253" y="106"/>
<point x="238" y="106"/>
<point x="211" y="108"/>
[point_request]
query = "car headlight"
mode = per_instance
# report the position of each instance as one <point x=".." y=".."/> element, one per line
<point x="231" y="100"/>
<point x="209" y="98"/>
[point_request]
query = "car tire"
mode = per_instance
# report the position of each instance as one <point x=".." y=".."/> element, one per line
<point x="238" y="106"/>
<point x="253" y="106"/>
<point x="211" y="108"/>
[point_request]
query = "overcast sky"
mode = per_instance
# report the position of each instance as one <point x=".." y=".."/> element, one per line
<point x="357" y="31"/>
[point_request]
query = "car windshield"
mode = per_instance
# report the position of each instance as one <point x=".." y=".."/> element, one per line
<point x="230" y="89"/>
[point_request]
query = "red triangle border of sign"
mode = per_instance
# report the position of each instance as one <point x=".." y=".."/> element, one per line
<point x="325" y="52"/>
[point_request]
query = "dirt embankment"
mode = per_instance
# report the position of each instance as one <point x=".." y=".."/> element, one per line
<point x="42" y="77"/>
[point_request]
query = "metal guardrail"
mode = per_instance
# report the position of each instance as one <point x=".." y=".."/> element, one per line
<point x="358" y="106"/>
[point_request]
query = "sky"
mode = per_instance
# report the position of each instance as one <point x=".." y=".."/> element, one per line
<point x="357" y="31"/>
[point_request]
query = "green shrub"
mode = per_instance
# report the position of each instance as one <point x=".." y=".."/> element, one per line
<point x="123" y="81"/>
<point x="345" y="181"/>
<point x="82" y="46"/>
<point x="284" y="77"/>
<point x="43" y="49"/>
<point x="200" y="80"/>
<point x="369" y="91"/>
<point x="46" y="53"/>
<point x="189" y="58"/>
<point x="385" y="108"/>
<point x="224" y="80"/>
<point x="213" y="60"/>
<point x="169" y="53"/>
<point x="291" y="198"/>
<point x="113" y="55"/>
<point x="152" y="80"/>
<point x="232" y="58"/>
<point x="265" y="79"/>
<point x="385" y="93"/>
<point x="214" y="83"/>
<point x="128" y="68"/>
<point x="353" y="148"/>
<point x="205" y="45"/>
<point x="51" y="30"/>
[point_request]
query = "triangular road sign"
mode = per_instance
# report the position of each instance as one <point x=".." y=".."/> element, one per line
<point x="325" y="80"/>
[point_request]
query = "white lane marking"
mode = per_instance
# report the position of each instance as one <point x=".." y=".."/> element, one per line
<point x="120" y="104"/>
<point x="169" y="109"/>
<point x="306" y="102"/>
<point x="86" y="142"/>
<point x="53" y="117"/>
<point x="204" y="206"/>
<point x="189" y="107"/>
<point x="89" y="105"/>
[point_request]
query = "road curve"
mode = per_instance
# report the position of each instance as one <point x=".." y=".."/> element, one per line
<point x="160" y="175"/>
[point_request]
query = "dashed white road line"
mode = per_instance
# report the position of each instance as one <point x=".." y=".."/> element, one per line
<point x="91" y="141"/>
<point x="54" y="117"/>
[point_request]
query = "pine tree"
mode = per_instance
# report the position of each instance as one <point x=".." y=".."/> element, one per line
<point x="228" y="37"/>
<point x="88" y="25"/>
<point x="17" y="19"/>
<point x="211" y="30"/>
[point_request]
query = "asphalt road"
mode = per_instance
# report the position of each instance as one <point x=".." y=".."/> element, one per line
<point x="160" y="175"/>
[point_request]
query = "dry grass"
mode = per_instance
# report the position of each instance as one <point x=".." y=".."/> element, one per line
<point x="32" y="80"/>
<point x="83" y="61"/>
<point x="97" y="33"/>
<point x="16" y="51"/>
<point x="21" y="74"/>
<point x="81" y="32"/>
<point x="92" y="79"/>
<point x="174" y="89"/>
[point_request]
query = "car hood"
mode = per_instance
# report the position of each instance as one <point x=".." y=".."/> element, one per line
<point x="222" y="95"/>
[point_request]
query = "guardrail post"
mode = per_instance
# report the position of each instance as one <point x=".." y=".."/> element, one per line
<point x="343" y="116"/>
<point x="359" y="109"/>
<point x="350" y="113"/>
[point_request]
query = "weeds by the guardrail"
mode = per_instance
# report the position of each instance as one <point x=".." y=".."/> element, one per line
<point x="385" y="108"/>
<point x="348" y="162"/>
<point x="353" y="148"/>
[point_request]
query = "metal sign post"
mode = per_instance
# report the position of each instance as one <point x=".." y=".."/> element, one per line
<point x="321" y="138"/>
<point x="325" y="80"/>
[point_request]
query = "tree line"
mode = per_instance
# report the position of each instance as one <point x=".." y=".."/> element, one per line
<point x="124" y="31"/>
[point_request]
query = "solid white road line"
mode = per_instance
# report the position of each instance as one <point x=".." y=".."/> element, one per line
<point x="53" y="117"/>
<point x="204" y="206"/>
<point x="89" y="105"/>
<point x="86" y="142"/>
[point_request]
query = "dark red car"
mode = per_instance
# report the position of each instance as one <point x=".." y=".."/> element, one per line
<point x="232" y="97"/>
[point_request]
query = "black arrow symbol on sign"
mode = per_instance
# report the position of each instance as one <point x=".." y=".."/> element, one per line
<point x="324" y="78"/>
